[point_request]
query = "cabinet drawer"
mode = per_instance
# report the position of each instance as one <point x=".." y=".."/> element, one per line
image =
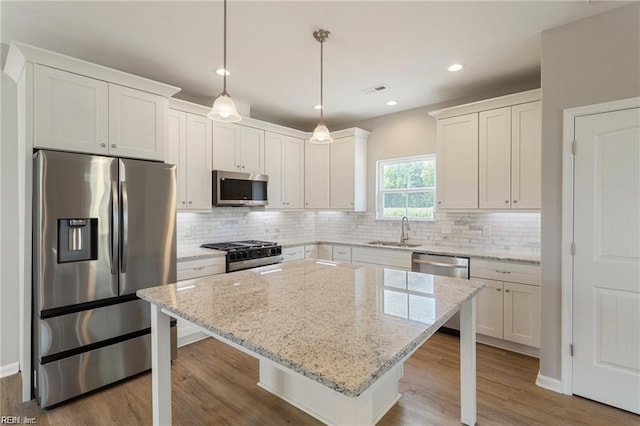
<point x="342" y="253"/>
<point x="505" y="271"/>
<point x="293" y="253"/>
<point x="200" y="268"/>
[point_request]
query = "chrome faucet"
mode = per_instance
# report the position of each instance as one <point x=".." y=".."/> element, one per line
<point x="404" y="233"/>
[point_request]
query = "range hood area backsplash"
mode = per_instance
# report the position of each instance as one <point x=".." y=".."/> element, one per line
<point x="518" y="232"/>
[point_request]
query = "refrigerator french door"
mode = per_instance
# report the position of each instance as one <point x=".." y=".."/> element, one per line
<point x="102" y="228"/>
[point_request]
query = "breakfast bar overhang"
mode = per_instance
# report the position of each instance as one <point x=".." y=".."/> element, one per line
<point x="331" y="338"/>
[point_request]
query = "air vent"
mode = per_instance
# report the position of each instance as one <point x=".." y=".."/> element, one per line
<point x="376" y="88"/>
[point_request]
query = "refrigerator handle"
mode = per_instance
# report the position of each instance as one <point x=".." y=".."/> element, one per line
<point x="115" y="225"/>
<point x="125" y="227"/>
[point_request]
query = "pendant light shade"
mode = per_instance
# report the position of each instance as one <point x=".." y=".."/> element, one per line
<point x="321" y="134"/>
<point x="224" y="109"/>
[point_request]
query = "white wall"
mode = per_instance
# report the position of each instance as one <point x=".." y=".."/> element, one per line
<point x="586" y="62"/>
<point x="9" y="312"/>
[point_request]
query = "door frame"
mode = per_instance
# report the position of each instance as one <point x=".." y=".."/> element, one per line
<point x="568" y="165"/>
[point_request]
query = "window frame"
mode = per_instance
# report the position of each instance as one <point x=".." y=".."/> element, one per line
<point x="380" y="191"/>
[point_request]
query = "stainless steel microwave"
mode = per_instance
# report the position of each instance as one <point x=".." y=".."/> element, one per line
<point x="239" y="189"/>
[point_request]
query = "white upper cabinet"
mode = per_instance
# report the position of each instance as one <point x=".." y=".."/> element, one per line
<point x="457" y="162"/>
<point x="336" y="173"/>
<point x="81" y="107"/>
<point x="526" y="151"/>
<point x="137" y="123"/>
<point x="284" y="164"/>
<point x="238" y="148"/>
<point x="189" y="148"/>
<point x="71" y="112"/>
<point x="489" y="154"/>
<point x="495" y="159"/>
<point x="317" y="166"/>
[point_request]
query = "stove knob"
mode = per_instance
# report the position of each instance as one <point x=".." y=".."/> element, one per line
<point x="232" y="256"/>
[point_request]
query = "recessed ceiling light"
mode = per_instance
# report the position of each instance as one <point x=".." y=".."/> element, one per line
<point x="392" y="103"/>
<point x="455" y="67"/>
<point x="222" y="71"/>
<point x="318" y="106"/>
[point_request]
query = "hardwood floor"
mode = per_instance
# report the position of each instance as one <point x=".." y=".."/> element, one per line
<point x="214" y="384"/>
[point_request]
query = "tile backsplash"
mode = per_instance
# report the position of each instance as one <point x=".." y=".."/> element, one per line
<point x="502" y="231"/>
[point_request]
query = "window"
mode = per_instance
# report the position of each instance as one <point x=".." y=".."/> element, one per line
<point x="406" y="187"/>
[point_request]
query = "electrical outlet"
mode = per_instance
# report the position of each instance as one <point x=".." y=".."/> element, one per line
<point x="445" y="229"/>
<point x="486" y="230"/>
<point x="186" y="231"/>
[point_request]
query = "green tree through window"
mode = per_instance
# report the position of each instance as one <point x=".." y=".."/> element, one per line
<point x="406" y="187"/>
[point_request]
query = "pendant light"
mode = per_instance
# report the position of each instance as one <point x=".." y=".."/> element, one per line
<point x="224" y="110"/>
<point x="321" y="134"/>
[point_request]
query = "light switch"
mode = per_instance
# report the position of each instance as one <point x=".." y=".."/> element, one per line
<point x="486" y="230"/>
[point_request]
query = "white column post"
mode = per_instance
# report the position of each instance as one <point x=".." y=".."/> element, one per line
<point x="160" y="366"/>
<point x="468" y="362"/>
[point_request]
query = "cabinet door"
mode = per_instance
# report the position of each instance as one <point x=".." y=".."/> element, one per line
<point x="489" y="309"/>
<point x="292" y="253"/>
<point x="457" y="162"/>
<point x="522" y="314"/>
<point x="137" y="123"/>
<point x="316" y="176"/>
<point x="251" y="149"/>
<point x="342" y="253"/>
<point x="325" y="251"/>
<point x="311" y="251"/>
<point x="225" y="154"/>
<point x="293" y="172"/>
<point x="342" y="173"/>
<point x="494" y="144"/>
<point x="70" y="112"/>
<point x="273" y="167"/>
<point x="176" y="151"/>
<point x="526" y="142"/>
<point x="198" y="162"/>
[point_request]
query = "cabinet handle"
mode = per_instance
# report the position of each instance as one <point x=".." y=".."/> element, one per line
<point x="113" y="145"/>
<point x="238" y="165"/>
<point x="439" y="202"/>
<point x="306" y="204"/>
<point x="515" y="201"/>
<point x="502" y="272"/>
<point x="243" y="167"/>
<point x="199" y="268"/>
<point x="104" y="145"/>
<point x="506" y="202"/>
<point x="497" y="289"/>
<point x="507" y="291"/>
<point x="190" y="202"/>
<point x="183" y="202"/>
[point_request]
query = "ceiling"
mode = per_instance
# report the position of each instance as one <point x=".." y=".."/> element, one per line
<point x="275" y="61"/>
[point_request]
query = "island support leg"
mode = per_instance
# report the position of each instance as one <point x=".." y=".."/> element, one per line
<point x="468" y="362"/>
<point x="160" y="366"/>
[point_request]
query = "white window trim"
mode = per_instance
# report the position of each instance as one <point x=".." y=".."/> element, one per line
<point x="380" y="164"/>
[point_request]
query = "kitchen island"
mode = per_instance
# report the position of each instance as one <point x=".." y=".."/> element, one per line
<point x="331" y="338"/>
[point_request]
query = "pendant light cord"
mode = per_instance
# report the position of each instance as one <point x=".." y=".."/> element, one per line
<point x="321" y="85"/>
<point x="224" y="60"/>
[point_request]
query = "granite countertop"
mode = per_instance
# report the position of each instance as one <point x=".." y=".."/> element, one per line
<point x="525" y="256"/>
<point x="339" y="324"/>
<point x="198" y="253"/>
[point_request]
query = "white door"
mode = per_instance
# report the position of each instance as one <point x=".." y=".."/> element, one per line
<point x="316" y="176"/>
<point x="606" y="286"/>
<point x="273" y="147"/>
<point x="521" y="322"/>
<point x="251" y="150"/>
<point x="489" y="309"/>
<point x="176" y="151"/>
<point x="225" y="155"/>
<point x="198" y="161"/>
<point x="342" y="160"/>
<point x="526" y="151"/>
<point x="293" y="172"/>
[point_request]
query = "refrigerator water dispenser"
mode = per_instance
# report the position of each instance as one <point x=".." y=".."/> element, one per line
<point x="77" y="239"/>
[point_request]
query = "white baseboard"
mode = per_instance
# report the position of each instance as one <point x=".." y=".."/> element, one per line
<point x="9" y="369"/>
<point x="548" y="383"/>
<point x="191" y="338"/>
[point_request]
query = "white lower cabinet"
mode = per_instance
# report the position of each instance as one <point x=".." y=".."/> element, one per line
<point x="398" y="259"/>
<point x="342" y="254"/>
<point x="293" y="253"/>
<point x="311" y="251"/>
<point x="508" y="308"/>
<point x="186" y="272"/>
<point x="325" y="251"/>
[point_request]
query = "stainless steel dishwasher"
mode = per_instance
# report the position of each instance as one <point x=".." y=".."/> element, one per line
<point x="448" y="266"/>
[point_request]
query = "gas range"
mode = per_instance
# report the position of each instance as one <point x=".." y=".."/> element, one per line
<point x="248" y="253"/>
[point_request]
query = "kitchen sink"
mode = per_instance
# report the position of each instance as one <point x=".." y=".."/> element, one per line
<point x="392" y="244"/>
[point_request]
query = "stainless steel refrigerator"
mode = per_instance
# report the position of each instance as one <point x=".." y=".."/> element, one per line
<point x="102" y="228"/>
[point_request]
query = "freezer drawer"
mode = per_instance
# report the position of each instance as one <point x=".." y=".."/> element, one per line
<point x="73" y="376"/>
<point x="71" y="331"/>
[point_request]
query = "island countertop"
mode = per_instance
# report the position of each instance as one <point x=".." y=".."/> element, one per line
<point x="341" y="325"/>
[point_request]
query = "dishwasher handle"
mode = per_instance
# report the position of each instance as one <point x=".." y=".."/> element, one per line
<point x="444" y="265"/>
